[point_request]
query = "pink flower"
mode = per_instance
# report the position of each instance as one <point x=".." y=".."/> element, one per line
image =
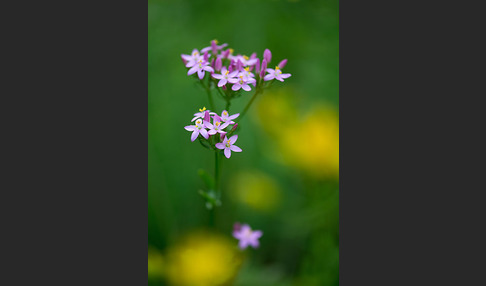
<point x="200" y="67"/>
<point x="228" y="146"/>
<point x="242" y="83"/>
<point x="225" y="117"/>
<point x="214" y="47"/>
<point x="192" y="59"/>
<point x="276" y="74"/>
<point x="201" y="113"/>
<point x="246" y="236"/>
<point x="217" y="127"/>
<point x="197" y="129"/>
<point x="225" y="76"/>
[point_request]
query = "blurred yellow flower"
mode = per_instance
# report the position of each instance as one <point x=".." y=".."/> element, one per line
<point x="308" y="141"/>
<point x="257" y="190"/>
<point x="155" y="264"/>
<point x="203" y="259"/>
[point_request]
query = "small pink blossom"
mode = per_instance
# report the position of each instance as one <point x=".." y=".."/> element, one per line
<point x="197" y="129"/>
<point x="227" y="146"/>
<point x="217" y="127"/>
<point x="242" y="83"/>
<point x="202" y="113"/>
<point x="192" y="59"/>
<point x="200" y="67"/>
<point x="276" y="74"/>
<point x="225" y="117"/>
<point x="225" y="76"/>
<point x="246" y="236"/>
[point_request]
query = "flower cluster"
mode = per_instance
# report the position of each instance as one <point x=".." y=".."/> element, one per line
<point x="216" y="130"/>
<point x="227" y="69"/>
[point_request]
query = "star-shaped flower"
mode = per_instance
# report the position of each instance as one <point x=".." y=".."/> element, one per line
<point x="228" y="146"/>
<point x="246" y="236"/>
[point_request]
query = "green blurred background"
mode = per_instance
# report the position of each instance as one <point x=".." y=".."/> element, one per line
<point x="286" y="180"/>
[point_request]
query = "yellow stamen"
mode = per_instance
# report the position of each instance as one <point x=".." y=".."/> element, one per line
<point x="231" y="51"/>
<point x="277" y="68"/>
<point x="247" y="69"/>
<point x="215" y="41"/>
<point x="225" y="113"/>
<point x="245" y="57"/>
<point x="226" y="73"/>
<point x="199" y="121"/>
<point x="203" y="109"/>
<point x="217" y="123"/>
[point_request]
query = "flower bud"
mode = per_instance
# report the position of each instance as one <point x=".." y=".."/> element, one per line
<point x="257" y="67"/>
<point x="282" y="63"/>
<point x="236" y="226"/>
<point x="239" y="65"/>
<point x="214" y="47"/>
<point x="206" y="116"/>
<point x="206" y="56"/>
<point x="234" y="126"/>
<point x="219" y="64"/>
<point x="226" y="53"/>
<point x="264" y="67"/>
<point x="212" y="63"/>
<point x="267" y="55"/>
<point x="253" y="56"/>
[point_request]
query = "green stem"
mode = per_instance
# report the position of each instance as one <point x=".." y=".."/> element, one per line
<point x="228" y="103"/>
<point x="210" y="97"/>
<point x="259" y="90"/>
<point x="216" y="170"/>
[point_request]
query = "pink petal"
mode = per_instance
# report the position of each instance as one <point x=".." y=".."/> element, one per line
<point x="255" y="243"/>
<point x="246" y="87"/>
<point x="200" y="74"/>
<point x="222" y="82"/>
<point x="225" y="125"/>
<point x="192" y="70"/>
<point x="237" y="234"/>
<point x="236" y="87"/>
<point x="227" y="152"/>
<point x="257" y="234"/>
<point x="233" y="116"/>
<point x="217" y="118"/>
<point x="204" y="133"/>
<point x="217" y="76"/>
<point x="235" y="148"/>
<point x="208" y="68"/>
<point x="233" y="139"/>
<point x="212" y="132"/>
<point x="285" y="75"/>
<point x="269" y="77"/>
<point x="220" y="145"/>
<point x="190" y="128"/>
<point x="243" y="244"/>
<point x="194" y="134"/>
